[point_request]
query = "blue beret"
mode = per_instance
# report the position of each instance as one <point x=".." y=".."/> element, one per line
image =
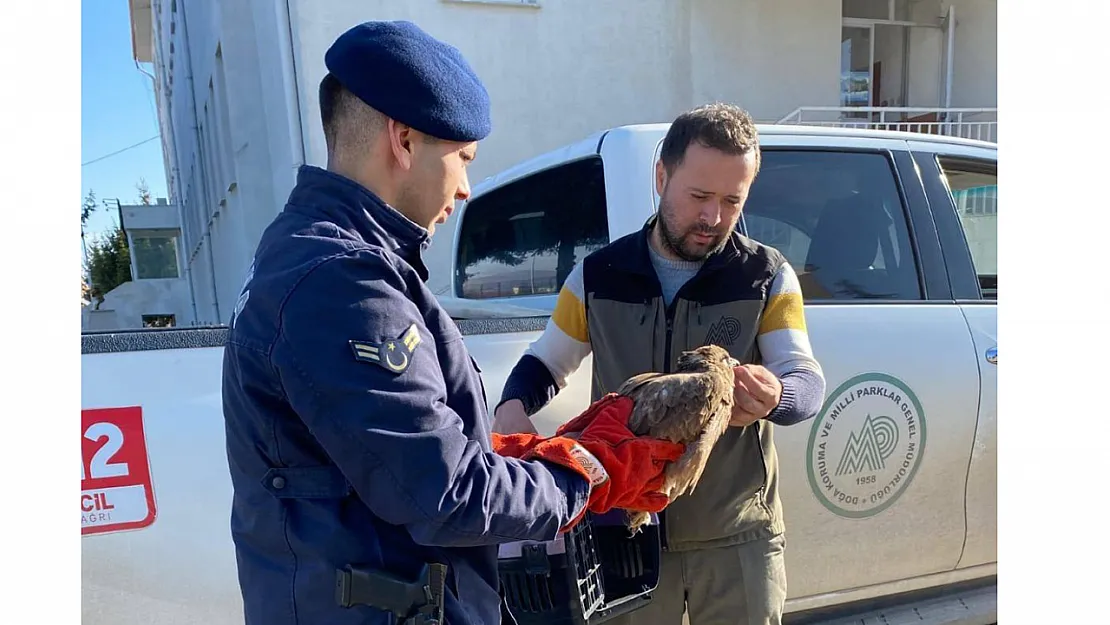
<point x="412" y="77"/>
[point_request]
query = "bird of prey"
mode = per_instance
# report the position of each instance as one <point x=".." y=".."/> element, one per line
<point x="692" y="405"/>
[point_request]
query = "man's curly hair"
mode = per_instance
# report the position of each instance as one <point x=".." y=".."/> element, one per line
<point x="719" y="126"/>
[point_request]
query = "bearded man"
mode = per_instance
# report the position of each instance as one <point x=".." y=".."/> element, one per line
<point x="686" y="279"/>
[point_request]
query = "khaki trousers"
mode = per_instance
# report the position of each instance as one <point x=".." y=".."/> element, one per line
<point x="735" y="585"/>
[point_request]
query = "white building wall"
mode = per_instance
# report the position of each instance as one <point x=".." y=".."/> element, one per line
<point x="768" y="56"/>
<point x="124" y="306"/>
<point x="555" y="73"/>
<point x="975" y="52"/>
<point x="234" y="140"/>
<point x="926" y="62"/>
<point x="157" y="216"/>
<point x="563" y="71"/>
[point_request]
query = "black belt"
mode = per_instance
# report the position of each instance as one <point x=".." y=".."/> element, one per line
<point x="414" y="603"/>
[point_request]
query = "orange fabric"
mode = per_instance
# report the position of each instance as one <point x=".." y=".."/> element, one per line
<point x="634" y="465"/>
<point x="514" y="445"/>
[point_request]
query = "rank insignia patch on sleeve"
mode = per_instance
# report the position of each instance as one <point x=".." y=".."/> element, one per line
<point x="392" y="355"/>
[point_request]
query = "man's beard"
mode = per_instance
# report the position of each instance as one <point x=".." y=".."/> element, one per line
<point x="679" y="244"/>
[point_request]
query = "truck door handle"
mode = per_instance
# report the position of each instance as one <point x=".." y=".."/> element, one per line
<point x="992" y="355"/>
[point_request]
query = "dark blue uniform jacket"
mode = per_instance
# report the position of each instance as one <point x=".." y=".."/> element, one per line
<point x="357" y="427"/>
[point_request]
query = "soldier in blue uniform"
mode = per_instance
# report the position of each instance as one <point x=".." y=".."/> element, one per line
<point x="357" y="435"/>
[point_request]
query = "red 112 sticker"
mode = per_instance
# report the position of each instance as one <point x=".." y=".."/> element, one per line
<point x="116" y="489"/>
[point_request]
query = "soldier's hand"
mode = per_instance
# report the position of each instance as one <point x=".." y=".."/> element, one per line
<point x="625" y="471"/>
<point x="510" y="418"/>
<point x="757" y="392"/>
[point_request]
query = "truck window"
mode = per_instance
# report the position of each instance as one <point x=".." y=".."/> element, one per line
<point x="974" y="188"/>
<point x="524" y="238"/>
<point x="839" y="219"/>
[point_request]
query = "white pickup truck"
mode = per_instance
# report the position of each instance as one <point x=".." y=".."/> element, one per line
<point x="889" y="493"/>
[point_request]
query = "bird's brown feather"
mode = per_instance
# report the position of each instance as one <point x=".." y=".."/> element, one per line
<point x="691" y="406"/>
<point x="675" y="406"/>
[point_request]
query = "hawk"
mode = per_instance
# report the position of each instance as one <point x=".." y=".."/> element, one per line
<point x="692" y="405"/>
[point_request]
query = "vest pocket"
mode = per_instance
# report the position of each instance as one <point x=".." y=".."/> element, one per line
<point x="625" y="334"/>
<point x="766" y="470"/>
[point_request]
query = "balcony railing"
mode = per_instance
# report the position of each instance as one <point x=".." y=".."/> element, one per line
<point x="970" y="123"/>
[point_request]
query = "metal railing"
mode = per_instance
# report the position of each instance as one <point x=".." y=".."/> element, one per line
<point x="970" y="123"/>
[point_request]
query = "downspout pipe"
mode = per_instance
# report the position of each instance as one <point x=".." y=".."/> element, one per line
<point x="175" y="173"/>
<point x="287" y="41"/>
<point x="203" y="171"/>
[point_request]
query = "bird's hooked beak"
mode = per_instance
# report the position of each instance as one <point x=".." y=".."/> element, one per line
<point x="732" y="362"/>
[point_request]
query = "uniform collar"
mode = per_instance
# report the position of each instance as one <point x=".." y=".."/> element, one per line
<point x="352" y="206"/>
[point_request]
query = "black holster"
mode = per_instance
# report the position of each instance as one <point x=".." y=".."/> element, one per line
<point x="418" y="602"/>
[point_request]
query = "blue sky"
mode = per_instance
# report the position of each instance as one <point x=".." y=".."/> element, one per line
<point x="117" y="110"/>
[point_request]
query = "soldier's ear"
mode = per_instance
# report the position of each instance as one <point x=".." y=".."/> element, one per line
<point x="401" y="139"/>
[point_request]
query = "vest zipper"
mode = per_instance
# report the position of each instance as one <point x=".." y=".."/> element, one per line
<point x="669" y="314"/>
<point x="667" y="347"/>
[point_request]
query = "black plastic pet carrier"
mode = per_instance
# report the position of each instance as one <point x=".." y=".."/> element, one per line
<point x="589" y="575"/>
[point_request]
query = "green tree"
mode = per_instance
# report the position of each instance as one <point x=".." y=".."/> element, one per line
<point x="88" y="208"/>
<point x="109" y="264"/>
<point x="144" y="192"/>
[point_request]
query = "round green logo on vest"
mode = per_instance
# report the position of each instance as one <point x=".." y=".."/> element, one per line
<point x="865" y="445"/>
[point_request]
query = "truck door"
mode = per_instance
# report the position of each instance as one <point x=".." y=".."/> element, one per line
<point x="962" y="183"/>
<point x="873" y="487"/>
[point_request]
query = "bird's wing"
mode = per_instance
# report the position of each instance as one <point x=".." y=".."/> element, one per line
<point x="676" y="406"/>
<point x="636" y="381"/>
<point x="684" y="474"/>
